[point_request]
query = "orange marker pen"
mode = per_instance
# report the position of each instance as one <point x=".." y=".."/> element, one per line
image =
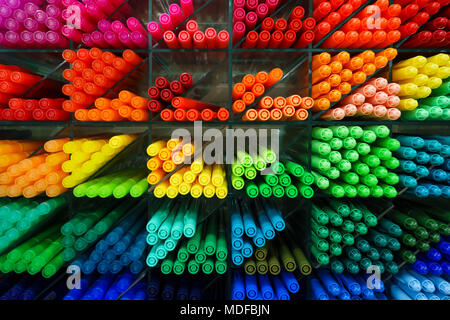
<point x="369" y="68"/>
<point x="94" y="114"/>
<point x="320" y="60"/>
<point x="81" y="115"/>
<point x="320" y="73"/>
<point x="288" y="111"/>
<point x="355" y="63"/>
<point x="258" y="89"/>
<point x="110" y="115"/>
<point x="334" y="80"/>
<point x="250" y="115"/>
<point x="102" y="103"/>
<point x="368" y="56"/>
<point x="344" y="88"/>
<point x="131" y="57"/>
<point x="343" y="57"/>
<point x="238" y="90"/>
<point x="263" y="114"/>
<point x="262" y="77"/>
<point x="115" y="104"/>
<point x="139" y="115"/>
<point x="125" y="111"/>
<point x="248" y="80"/>
<point x="294" y="100"/>
<point x="279" y="102"/>
<point x="125" y="96"/>
<point x="321" y="104"/>
<point x="275" y="114"/>
<point x="300" y="115"/>
<point x="275" y="75"/>
<point x="266" y="102"/>
<point x="335" y="66"/>
<point x="307" y="103"/>
<point x="358" y="78"/>
<point x="238" y="106"/>
<point x="320" y="89"/>
<point x="248" y="98"/>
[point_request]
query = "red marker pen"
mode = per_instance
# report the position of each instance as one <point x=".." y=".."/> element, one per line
<point x="251" y="40"/>
<point x="176" y="87"/>
<point x="186" y="80"/>
<point x="167" y="95"/>
<point x="268" y="24"/>
<point x="263" y="40"/>
<point x="208" y="115"/>
<point x="180" y="115"/>
<point x="304" y="40"/>
<point x="288" y="40"/>
<point x="167" y="115"/>
<point x="171" y="40"/>
<point x="295" y="25"/>
<point x="321" y="30"/>
<point x="153" y="92"/>
<point x="281" y="24"/>
<point x="309" y="24"/>
<point x="193" y="115"/>
<point x="185" y="40"/>
<point x="162" y="82"/>
<point x="199" y="40"/>
<point x="211" y="38"/>
<point x="297" y="13"/>
<point x="322" y="10"/>
<point x="154" y="105"/>
<point x="276" y="39"/>
<point x="223" y="39"/>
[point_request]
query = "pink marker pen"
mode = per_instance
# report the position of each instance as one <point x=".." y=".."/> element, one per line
<point x="112" y="39"/>
<point x="53" y="11"/>
<point x="166" y="22"/>
<point x="188" y="8"/>
<point x="262" y="11"/>
<point x="32" y="25"/>
<point x="57" y="3"/>
<point x="250" y="20"/>
<point x="5" y="11"/>
<point x="350" y="110"/>
<point x="333" y="114"/>
<point x="118" y="27"/>
<point x="238" y="15"/>
<point x="106" y="6"/>
<point x="97" y="38"/>
<point x="27" y="38"/>
<point x="238" y="4"/>
<point x="176" y="14"/>
<point x="250" y="5"/>
<point x="135" y="25"/>
<point x="392" y="101"/>
<point x="13" y="4"/>
<point x="139" y="39"/>
<point x="56" y="40"/>
<point x="125" y="38"/>
<point x="95" y="11"/>
<point x="13" y="39"/>
<point x="19" y="15"/>
<point x="379" y="98"/>
<point x="40" y="38"/>
<point x="104" y="25"/>
<point x="392" y="89"/>
<point x="53" y="24"/>
<point x="272" y="4"/>
<point x="71" y="33"/>
<point x="392" y="114"/>
<point x="13" y="25"/>
<point x="368" y="90"/>
<point x="365" y="109"/>
<point x="29" y="8"/>
<point x="86" y="38"/>
<point x="356" y="98"/>
<point x="379" y="83"/>
<point x="238" y="31"/>
<point x="40" y="16"/>
<point x="155" y="31"/>
<point x="379" y="111"/>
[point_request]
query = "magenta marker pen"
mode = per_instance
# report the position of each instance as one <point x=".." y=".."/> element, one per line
<point x="13" y="4"/>
<point x="155" y="30"/>
<point x="125" y="38"/>
<point x="19" y="15"/>
<point x="57" y="3"/>
<point x="238" y="4"/>
<point x="104" y="25"/>
<point x="139" y="39"/>
<point x="86" y="38"/>
<point x="135" y="25"/>
<point x="53" y="24"/>
<point x="13" y="25"/>
<point x="176" y="14"/>
<point x="32" y="25"/>
<point x="53" y="11"/>
<point x="250" y="20"/>
<point x="40" y="38"/>
<point x="71" y="33"/>
<point x="238" y="15"/>
<point x="56" y="40"/>
<point x="27" y="38"/>
<point x="238" y="31"/>
<point x="99" y="41"/>
<point x="5" y="11"/>
<point x="94" y="11"/>
<point x="188" y="8"/>
<point x="112" y="39"/>
<point x="118" y="27"/>
<point x="67" y="3"/>
<point x="106" y="6"/>
<point x="262" y="11"/>
<point x="40" y="16"/>
<point x="30" y="8"/>
<point x="166" y="22"/>
<point x="13" y="39"/>
<point x="272" y="4"/>
<point x="250" y="5"/>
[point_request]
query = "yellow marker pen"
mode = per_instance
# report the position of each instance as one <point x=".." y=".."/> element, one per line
<point x="184" y="188"/>
<point x="189" y="176"/>
<point x="404" y="73"/>
<point x="169" y="166"/>
<point x="407" y="104"/>
<point x="172" y="191"/>
<point x="177" y="177"/>
<point x="153" y="149"/>
<point x="161" y="189"/>
<point x="196" y="190"/>
<point x="204" y="177"/>
<point x="155" y="176"/>
<point x="417" y="61"/>
<point x="222" y="191"/>
<point x="218" y="175"/>
<point x="197" y="165"/>
<point x="209" y="191"/>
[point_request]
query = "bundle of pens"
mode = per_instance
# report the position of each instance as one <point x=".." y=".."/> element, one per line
<point x="434" y="34"/>
<point x="266" y="176"/>
<point x="417" y="77"/>
<point x="281" y="33"/>
<point x="172" y="175"/>
<point x="118" y="184"/>
<point x="174" y="288"/>
<point x="328" y="285"/>
<point x="335" y="76"/>
<point x="375" y="26"/>
<point x="90" y="225"/>
<point x="293" y="108"/>
<point x="122" y="247"/>
<point x="375" y="99"/>
<point x="32" y="24"/>
<point x="424" y="158"/>
<point x="87" y="155"/>
<point x="435" y="107"/>
<point x="246" y="92"/>
<point x="177" y="35"/>
<point x="93" y="28"/>
<point x="15" y="82"/>
<point x="92" y="73"/>
<point x="108" y="287"/>
<point x="127" y="106"/>
<point x="21" y="218"/>
<point x="247" y="13"/>
<point x="28" y="174"/>
<point x="435" y="260"/>
<point x="263" y="287"/>
<point x="352" y="161"/>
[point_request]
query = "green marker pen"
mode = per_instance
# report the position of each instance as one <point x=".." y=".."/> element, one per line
<point x="348" y="226"/>
<point x="294" y="168"/>
<point x="350" y="177"/>
<point x="407" y="255"/>
<point x="271" y="179"/>
<point x="350" y="155"/>
<point x="268" y="155"/>
<point x="320" y="163"/>
<point x="376" y="191"/>
<point x="337" y="267"/>
<point x="335" y="236"/>
<point x="139" y="188"/>
<point x="324" y="134"/>
<point x="353" y="254"/>
<point x="167" y="264"/>
<point x="320" y="147"/>
<point x="362" y="245"/>
<point x="336" y="144"/>
<point x="335" y="249"/>
<point x="278" y="191"/>
<point x="350" y="191"/>
<point x="349" y="143"/>
<point x="386" y="255"/>
<point x="220" y="267"/>
<point x="265" y="190"/>
<point x="340" y="131"/>
<point x="361" y="228"/>
<point x="244" y="158"/>
<point x="320" y="181"/>
<point x="319" y="215"/>
<point x="440" y="101"/>
<point x="365" y="263"/>
<point x="380" y="172"/>
<point x="380" y="265"/>
<point x="380" y="130"/>
<point x="389" y="191"/>
<point x="336" y="190"/>
<point x="355" y="131"/>
<point x="178" y="267"/>
<point x="193" y="267"/>
<point x="421" y="233"/>
<point x="284" y="180"/>
<point x="237" y="182"/>
<point x="434" y="237"/>
<point x="250" y="173"/>
<point x="252" y="190"/>
<point x="334" y="157"/>
<point x="423" y="219"/>
<point x="321" y="257"/>
<point x="373" y="254"/>
<point x="208" y="266"/>
<point x="382" y="153"/>
<point x="392" y="163"/>
<point x="371" y="160"/>
<point x="320" y="230"/>
<point x="307" y="179"/>
<point x="334" y="217"/>
<point x="389" y="143"/>
<point x="391" y="178"/>
<point x="344" y="165"/>
<point x="369" y="180"/>
<point x="340" y="207"/>
<point x="259" y="163"/>
<point x="404" y="221"/>
<point x="355" y="213"/>
<point x="363" y="148"/>
<point x="292" y="192"/>
<point x="278" y="168"/>
<point x="360" y="168"/>
<point x="351" y="266"/>
<point x="237" y="169"/>
<point x="348" y="239"/>
<point x="391" y="267"/>
<point x="417" y="114"/>
<point x="422" y="246"/>
<point x="320" y="243"/>
<point x="333" y="173"/>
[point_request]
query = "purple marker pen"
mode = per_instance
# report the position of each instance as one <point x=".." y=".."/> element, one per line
<point x="56" y="40"/>
<point x="27" y="38"/>
<point x="104" y="25"/>
<point x="40" y="16"/>
<point x="250" y="20"/>
<point x="134" y="25"/>
<point x="139" y="39"/>
<point x="40" y="38"/>
<point x="86" y="38"/>
<point x="19" y="15"/>
<point x="125" y="38"/>
<point x="112" y="39"/>
<point x="238" y="15"/>
<point x="155" y="30"/>
<point x="97" y="38"/>
<point x="53" y="24"/>
<point x="188" y="8"/>
<point x="176" y="14"/>
<point x="238" y="31"/>
<point x="13" y="25"/>
<point x="166" y="22"/>
<point x="118" y="27"/>
<point x="71" y="33"/>
<point x="32" y="25"/>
